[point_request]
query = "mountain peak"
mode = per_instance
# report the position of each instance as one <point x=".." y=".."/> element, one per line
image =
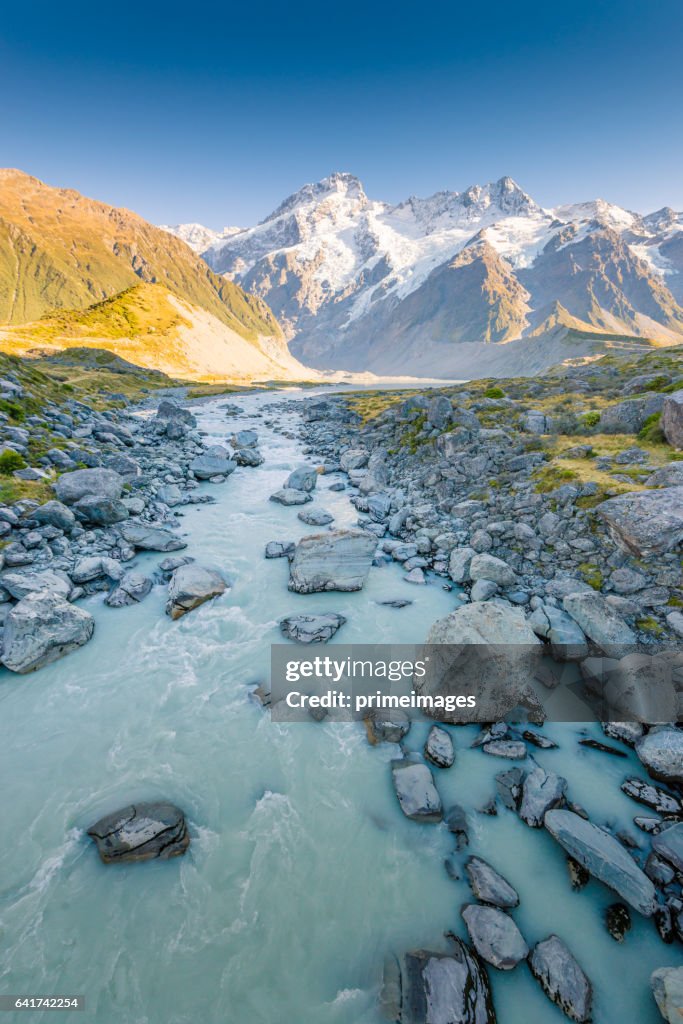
<point x="505" y="194"/>
<point x="339" y="182"/>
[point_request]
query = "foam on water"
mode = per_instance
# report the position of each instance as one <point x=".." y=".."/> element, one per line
<point x="302" y="871"/>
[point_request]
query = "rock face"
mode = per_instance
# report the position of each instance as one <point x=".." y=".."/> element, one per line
<point x="667" y="988"/>
<point x="498" y="674"/>
<point x="446" y="989"/>
<point x="562" y="979"/>
<point x="339" y="560"/>
<point x="495" y="936"/>
<point x="672" y="419"/>
<point x="604" y="857"/>
<point x="312" y="629"/>
<point x="661" y="751"/>
<point x="598" y="620"/>
<point x="150" y="538"/>
<point x="41" y="628"/>
<point x="488" y="886"/>
<point x="541" y="791"/>
<point x="144" y="831"/>
<point x="104" y="483"/>
<point x="439" y="748"/>
<point x="416" y="791"/>
<point x="646" y="522"/>
<point x="190" y="586"/>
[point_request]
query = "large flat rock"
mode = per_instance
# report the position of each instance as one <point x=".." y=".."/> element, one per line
<point x="144" y="831"/>
<point x="646" y="522"/>
<point x="41" y="628"/>
<point x="338" y="560"/>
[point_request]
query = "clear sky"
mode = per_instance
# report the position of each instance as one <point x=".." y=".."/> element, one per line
<point x="215" y="112"/>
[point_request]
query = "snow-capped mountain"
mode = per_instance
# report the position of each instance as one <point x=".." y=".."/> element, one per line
<point x="358" y="283"/>
<point x="197" y="236"/>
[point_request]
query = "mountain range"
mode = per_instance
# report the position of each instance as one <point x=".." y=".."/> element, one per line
<point x="485" y="278"/>
<point x="76" y="272"/>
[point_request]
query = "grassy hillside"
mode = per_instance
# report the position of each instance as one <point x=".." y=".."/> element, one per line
<point x="61" y="250"/>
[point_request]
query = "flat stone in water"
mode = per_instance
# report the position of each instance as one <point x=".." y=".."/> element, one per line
<point x="312" y="629"/>
<point x="562" y="979"/>
<point x="489" y="886"/>
<point x="144" y="831"/>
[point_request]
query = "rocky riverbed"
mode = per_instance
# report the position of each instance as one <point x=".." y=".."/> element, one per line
<point x="167" y="716"/>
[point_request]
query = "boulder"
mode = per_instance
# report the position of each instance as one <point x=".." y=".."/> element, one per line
<point x="488" y="567"/>
<point x="97" y="510"/>
<point x="104" y="483"/>
<point x="248" y="457"/>
<point x="645" y="522"/>
<point x="132" y="587"/>
<point x="387" y="726"/>
<point x="168" y="409"/>
<point x="441" y="988"/>
<point x="312" y="629"/>
<point x="290" y="496"/>
<point x="661" y="751"/>
<point x="244" y="439"/>
<point x="541" y="792"/>
<point x="535" y="421"/>
<point x="302" y="479"/>
<point x="667" y="988"/>
<point x="280" y="548"/>
<point x="486" y="650"/>
<point x="603" y="857"/>
<point x="672" y="419"/>
<point x="459" y="564"/>
<point x="488" y="886"/>
<point x="637" y="687"/>
<point x="629" y="417"/>
<point x="144" y="831"/>
<point x="150" y="538"/>
<point x="562" y="979"/>
<point x="192" y="585"/>
<point x="338" y="560"/>
<point x="19" y="584"/>
<point x="55" y="513"/>
<point x="41" y="628"/>
<point x="214" y="462"/>
<point x="667" y="476"/>
<point x="170" y="494"/>
<point x="669" y="845"/>
<point x="315" y="517"/>
<point x="416" y="791"/>
<point x="353" y="458"/>
<point x="94" y="567"/>
<point x="598" y="620"/>
<point x="495" y="936"/>
<point x="439" y="412"/>
<point x="439" y="748"/>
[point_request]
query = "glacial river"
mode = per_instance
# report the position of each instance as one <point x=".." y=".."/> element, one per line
<point x="302" y="871"/>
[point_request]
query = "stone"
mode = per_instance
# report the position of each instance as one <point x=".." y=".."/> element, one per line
<point x="618" y="921"/>
<point x="629" y="417"/>
<point x="416" y="792"/>
<point x="353" y="458"/>
<point x="639" y="687"/>
<point x="192" y="585"/>
<point x="97" y="510"/>
<point x="495" y="936"/>
<point x="209" y="465"/>
<point x="541" y="792"/>
<point x="170" y="494"/>
<point x="93" y="567"/>
<point x="302" y="479"/>
<point x="439" y="748"/>
<point x="280" y="548"/>
<point x="144" y="831"/>
<point x="104" y="483"/>
<point x="41" y="628"/>
<point x="132" y="588"/>
<point x="245" y="439"/>
<point x="562" y="979"/>
<point x="598" y="620"/>
<point x="312" y="629"/>
<point x="513" y="750"/>
<point x="661" y="751"/>
<point x="672" y="419"/>
<point x="651" y="796"/>
<point x="669" y="845"/>
<point x="290" y="496"/>
<point x="604" y="857"/>
<point x="439" y="988"/>
<point x="439" y="412"/>
<point x="55" y="513"/>
<point x="168" y="409"/>
<point x="338" y="560"/>
<point x="19" y="584"/>
<point x="535" y="421"/>
<point x="150" y="538"/>
<point x="646" y="523"/>
<point x="387" y="726"/>
<point x="459" y="564"/>
<point x="489" y="886"/>
<point x="666" y="476"/>
<point x="315" y="517"/>
<point x="248" y="457"/>
<point x="667" y="988"/>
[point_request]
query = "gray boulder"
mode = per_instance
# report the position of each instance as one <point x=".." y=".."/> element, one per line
<point x="41" y="628"/>
<point x="439" y="748"/>
<point x="488" y="567"/>
<point x="541" y="792"/>
<point x="440" y="988"/>
<point x="388" y="726"/>
<point x="416" y="791"/>
<point x="629" y="417"/>
<point x="669" y="845"/>
<point x="150" y="538"/>
<point x="132" y="587"/>
<point x="353" y="458"/>
<point x="19" y="584"/>
<point x="144" y="831"/>
<point x="535" y="421"/>
<point x="169" y="409"/>
<point x="94" y="567"/>
<point x="488" y="886"/>
<point x="459" y="564"/>
<point x="667" y="476"/>
<point x="315" y="517"/>
<point x="290" y="496"/>
<point x="248" y="457"/>
<point x="302" y="479"/>
<point x="338" y="560"/>
<point x="672" y="419"/>
<point x="598" y="620"/>
<point x="97" y="510"/>
<point x="661" y="751"/>
<point x="562" y="979"/>
<point x="312" y="629"/>
<point x="104" y="483"/>
<point x="439" y="412"/>
<point x="245" y="439"/>
<point x="495" y="936"/>
<point x="280" y="548"/>
<point x="170" y="494"/>
<point x="214" y="462"/>
<point x="667" y="988"/>
<point x="645" y="522"/>
<point x="192" y="585"/>
<point x="604" y="857"/>
<point x="55" y="513"/>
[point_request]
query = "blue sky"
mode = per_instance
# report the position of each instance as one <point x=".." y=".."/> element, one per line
<point x="216" y="112"/>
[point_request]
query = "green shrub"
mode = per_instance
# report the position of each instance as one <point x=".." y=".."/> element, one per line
<point x="494" y="393"/>
<point x="9" y="461"/>
<point x="591" y="419"/>
<point x="651" y="431"/>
